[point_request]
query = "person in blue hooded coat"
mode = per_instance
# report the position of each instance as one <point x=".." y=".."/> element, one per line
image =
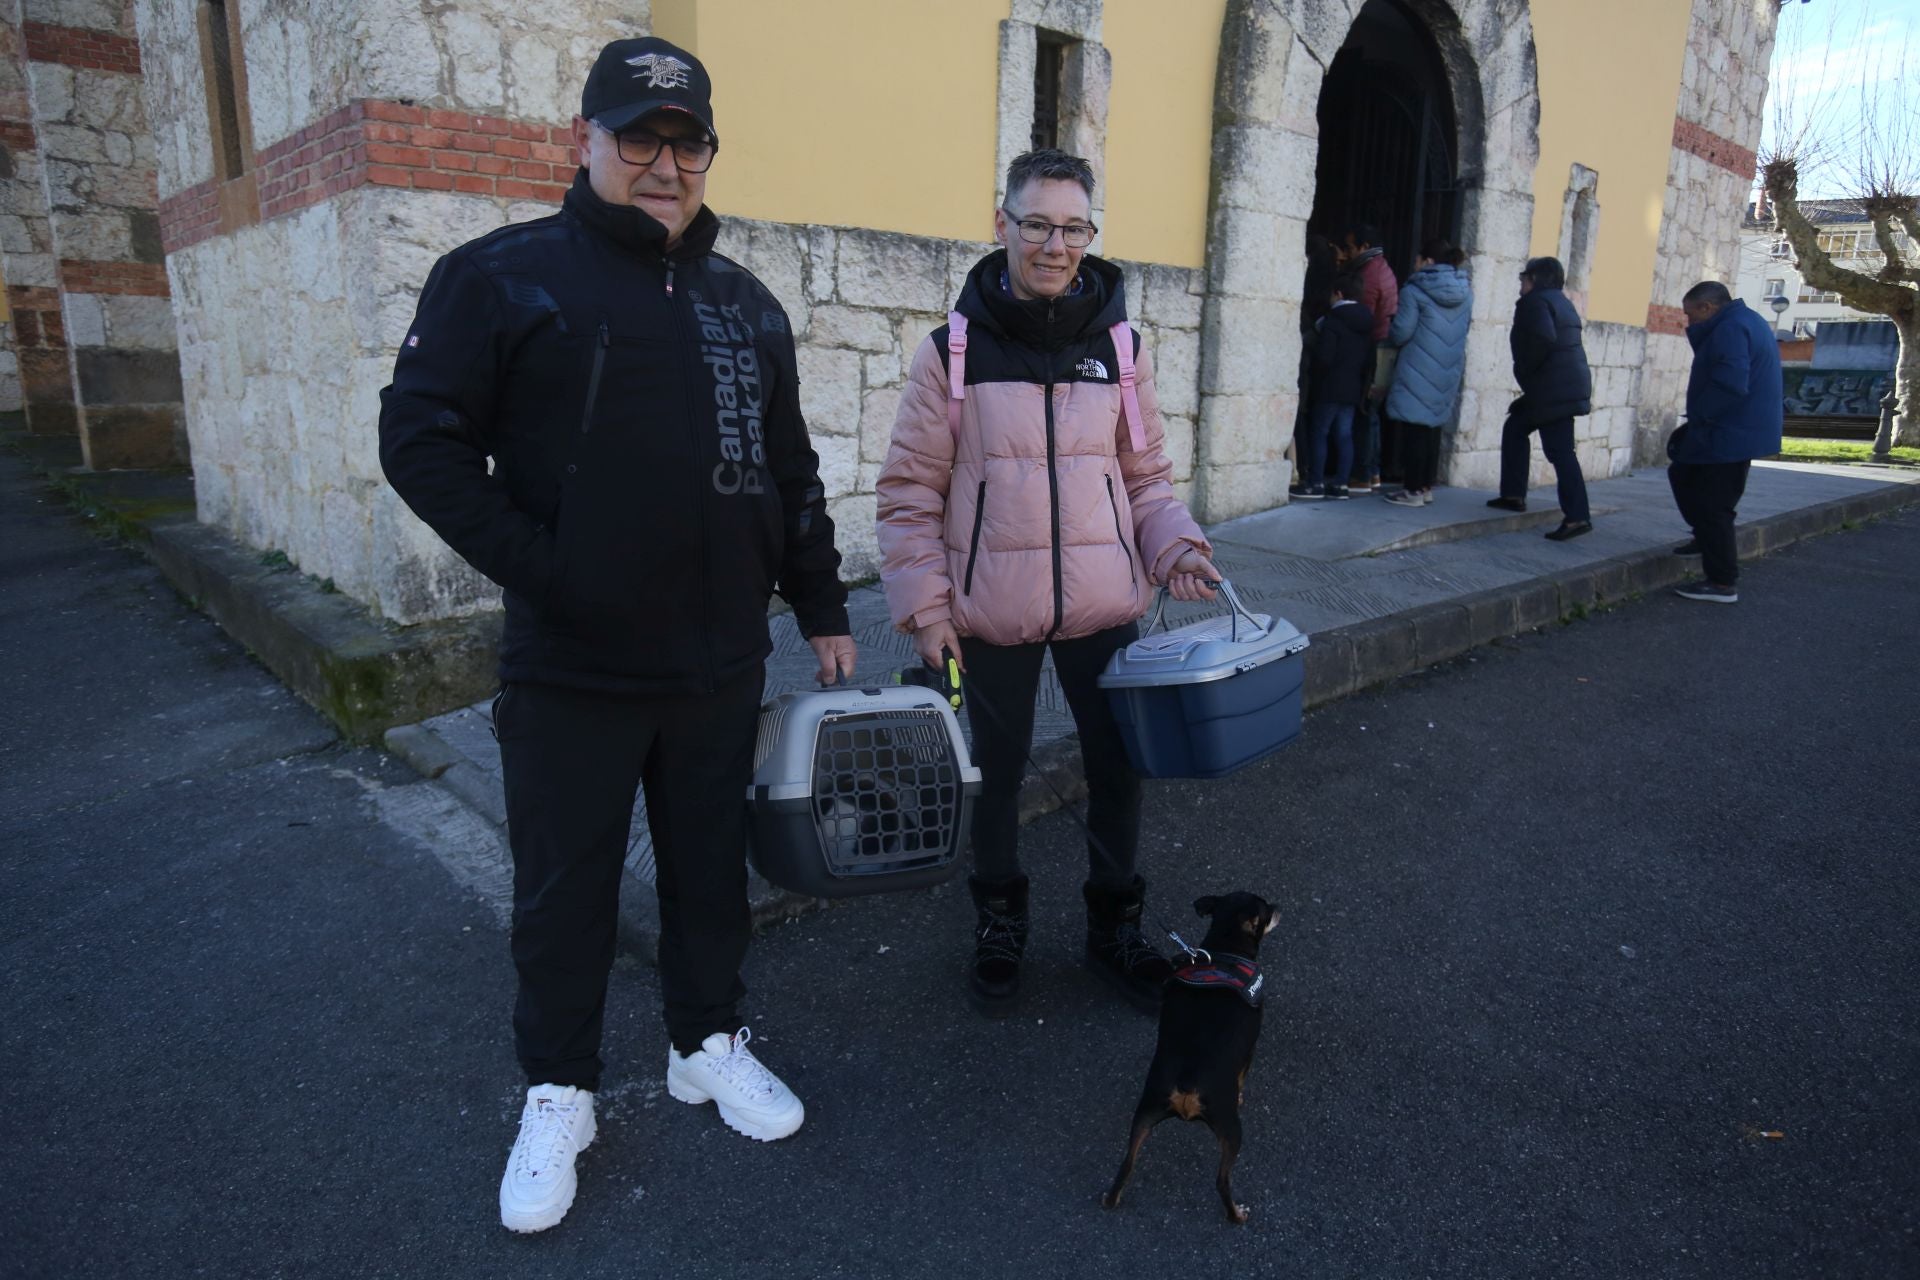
<point x="1735" y="409"/>
<point x="1430" y="329"/>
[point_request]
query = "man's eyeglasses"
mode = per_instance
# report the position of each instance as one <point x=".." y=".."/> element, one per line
<point x="641" y="147"/>
<point x="1078" y="235"/>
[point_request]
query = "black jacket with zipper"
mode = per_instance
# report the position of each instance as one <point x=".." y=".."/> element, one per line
<point x="652" y="482"/>
<point x="1549" y="361"/>
<point x="1342" y="354"/>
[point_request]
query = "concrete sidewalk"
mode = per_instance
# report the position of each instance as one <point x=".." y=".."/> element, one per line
<point x="1382" y="590"/>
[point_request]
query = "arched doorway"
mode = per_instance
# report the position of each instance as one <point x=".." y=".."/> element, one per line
<point x="1389" y="142"/>
<point x="1290" y="149"/>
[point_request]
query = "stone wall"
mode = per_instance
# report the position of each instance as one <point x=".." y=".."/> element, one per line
<point x="1273" y="58"/>
<point x="1615" y="354"/>
<point x="295" y="281"/>
<point x="83" y="257"/>
<point x="381" y="137"/>
<point x="289" y="324"/>
<point x="1723" y="84"/>
<point x="862" y="301"/>
<point x="36" y="333"/>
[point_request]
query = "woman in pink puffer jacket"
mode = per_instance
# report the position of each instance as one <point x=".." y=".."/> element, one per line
<point x="1040" y="525"/>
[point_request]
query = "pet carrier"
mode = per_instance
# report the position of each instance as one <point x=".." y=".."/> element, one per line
<point x="859" y="790"/>
<point x="1203" y="700"/>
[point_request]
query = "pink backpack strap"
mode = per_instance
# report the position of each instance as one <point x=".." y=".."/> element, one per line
<point x="1129" y="396"/>
<point x="956" y="371"/>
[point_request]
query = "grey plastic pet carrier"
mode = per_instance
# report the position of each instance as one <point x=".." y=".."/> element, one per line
<point x="859" y="790"/>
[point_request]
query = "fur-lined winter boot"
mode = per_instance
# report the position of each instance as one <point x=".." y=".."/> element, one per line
<point x="1115" y="949"/>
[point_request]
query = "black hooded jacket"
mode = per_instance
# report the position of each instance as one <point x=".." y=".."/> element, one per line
<point x="652" y="482"/>
<point x="1342" y="355"/>
<point x="1549" y="362"/>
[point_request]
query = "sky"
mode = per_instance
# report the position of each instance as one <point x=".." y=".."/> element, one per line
<point x="1852" y="69"/>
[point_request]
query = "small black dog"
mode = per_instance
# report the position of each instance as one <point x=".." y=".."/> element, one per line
<point x="1209" y="1022"/>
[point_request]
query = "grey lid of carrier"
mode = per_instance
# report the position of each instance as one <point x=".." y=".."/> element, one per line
<point x="1211" y="649"/>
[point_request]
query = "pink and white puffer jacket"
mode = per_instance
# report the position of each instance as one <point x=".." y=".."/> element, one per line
<point x="1043" y="523"/>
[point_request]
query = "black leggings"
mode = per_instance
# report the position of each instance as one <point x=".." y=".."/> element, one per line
<point x="1006" y="679"/>
<point x="1419" y="455"/>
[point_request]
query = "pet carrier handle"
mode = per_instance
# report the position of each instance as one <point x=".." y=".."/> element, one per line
<point x="1238" y="610"/>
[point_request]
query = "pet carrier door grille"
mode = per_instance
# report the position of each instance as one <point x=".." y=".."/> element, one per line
<point x="886" y="791"/>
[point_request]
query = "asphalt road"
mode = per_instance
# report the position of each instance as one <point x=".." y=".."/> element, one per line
<point x="1569" y="930"/>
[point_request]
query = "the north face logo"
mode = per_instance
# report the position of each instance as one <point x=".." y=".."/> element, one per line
<point x="1091" y="368"/>
<point x="662" y="70"/>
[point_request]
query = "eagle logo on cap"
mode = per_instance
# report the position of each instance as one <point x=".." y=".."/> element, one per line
<point x="662" y="70"/>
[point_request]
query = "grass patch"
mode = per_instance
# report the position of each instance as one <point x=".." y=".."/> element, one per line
<point x="1794" y="449"/>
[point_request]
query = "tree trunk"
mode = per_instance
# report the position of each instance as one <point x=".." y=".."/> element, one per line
<point x="1906" y="383"/>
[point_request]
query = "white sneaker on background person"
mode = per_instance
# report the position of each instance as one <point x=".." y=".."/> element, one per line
<point x="723" y="1071"/>
<point x="555" y="1126"/>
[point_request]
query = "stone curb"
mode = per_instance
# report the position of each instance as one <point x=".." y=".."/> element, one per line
<point x="364" y="674"/>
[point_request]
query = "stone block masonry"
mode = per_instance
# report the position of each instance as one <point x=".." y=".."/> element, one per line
<point x="80" y="236"/>
<point x="36" y="339"/>
<point x="385" y="184"/>
<point x="1711" y="170"/>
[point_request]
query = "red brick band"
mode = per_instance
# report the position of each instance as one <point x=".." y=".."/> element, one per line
<point x="81" y="47"/>
<point x="1714" y="149"/>
<point x="190" y="215"/>
<point x="37" y="321"/>
<point x="1666" y="320"/>
<point x="145" y="279"/>
<point x="388" y="144"/>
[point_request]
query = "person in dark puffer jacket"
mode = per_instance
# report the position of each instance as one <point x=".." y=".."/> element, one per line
<point x="1735" y="408"/>
<point x="1550" y="364"/>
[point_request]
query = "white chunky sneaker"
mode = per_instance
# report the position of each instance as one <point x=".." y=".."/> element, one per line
<point x="723" y="1071"/>
<point x="537" y="1189"/>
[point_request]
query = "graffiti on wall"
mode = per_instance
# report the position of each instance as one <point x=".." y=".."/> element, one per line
<point x="1839" y="393"/>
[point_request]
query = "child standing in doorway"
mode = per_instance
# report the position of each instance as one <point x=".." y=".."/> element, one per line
<point x="1343" y="341"/>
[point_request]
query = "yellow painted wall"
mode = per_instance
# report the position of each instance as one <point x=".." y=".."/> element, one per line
<point x="883" y="114"/>
<point x="858" y="113"/>
<point x="1609" y="86"/>
<point x="1160" y="128"/>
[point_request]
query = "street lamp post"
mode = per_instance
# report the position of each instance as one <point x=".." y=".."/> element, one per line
<point x="1779" y="305"/>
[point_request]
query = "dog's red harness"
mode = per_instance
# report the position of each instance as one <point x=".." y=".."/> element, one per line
<point x="1223" y="972"/>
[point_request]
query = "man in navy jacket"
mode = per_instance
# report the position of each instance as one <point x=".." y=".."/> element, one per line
<point x="1735" y="403"/>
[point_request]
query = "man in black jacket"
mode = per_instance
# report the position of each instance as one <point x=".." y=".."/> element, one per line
<point x="652" y="484"/>
<point x="1556" y="386"/>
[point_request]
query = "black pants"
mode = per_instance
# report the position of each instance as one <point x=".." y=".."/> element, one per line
<point x="1556" y="440"/>
<point x="1006" y="678"/>
<point x="1707" y="494"/>
<point x="1419" y="456"/>
<point x="573" y="760"/>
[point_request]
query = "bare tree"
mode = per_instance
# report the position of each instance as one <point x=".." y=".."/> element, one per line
<point x="1861" y="134"/>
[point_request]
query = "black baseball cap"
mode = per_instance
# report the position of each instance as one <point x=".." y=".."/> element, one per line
<point x="631" y="78"/>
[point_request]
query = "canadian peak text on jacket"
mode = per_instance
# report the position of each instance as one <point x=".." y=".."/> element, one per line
<point x="652" y="481"/>
<point x="1040" y="520"/>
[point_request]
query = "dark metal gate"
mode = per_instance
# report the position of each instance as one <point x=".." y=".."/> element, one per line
<point x="1387" y="142"/>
